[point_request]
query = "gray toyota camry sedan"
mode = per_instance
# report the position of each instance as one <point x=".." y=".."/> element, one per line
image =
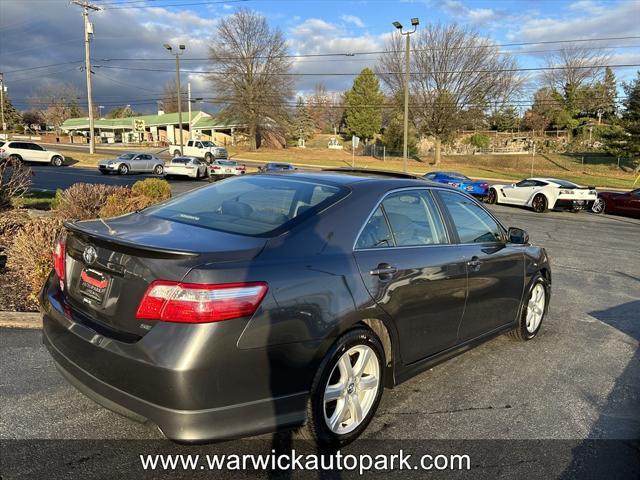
<point x="275" y="301"/>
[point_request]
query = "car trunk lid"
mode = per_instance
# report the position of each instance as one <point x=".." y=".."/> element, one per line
<point x="110" y="265"/>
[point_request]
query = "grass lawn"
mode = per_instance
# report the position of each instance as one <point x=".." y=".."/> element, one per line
<point x="601" y="171"/>
<point x="33" y="199"/>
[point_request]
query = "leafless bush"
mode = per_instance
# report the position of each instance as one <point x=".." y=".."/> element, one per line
<point x="15" y="180"/>
<point x="30" y="256"/>
<point x="83" y="201"/>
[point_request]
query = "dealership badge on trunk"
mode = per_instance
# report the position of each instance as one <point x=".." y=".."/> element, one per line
<point x="89" y="255"/>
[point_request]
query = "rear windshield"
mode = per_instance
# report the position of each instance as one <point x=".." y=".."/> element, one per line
<point x="251" y="205"/>
<point x="229" y="163"/>
<point x="181" y="160"/>
<point x="563" y="183"/>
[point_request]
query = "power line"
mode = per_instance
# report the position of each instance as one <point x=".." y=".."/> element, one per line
<point x="379" y="52"/>
<point x="350" y="74"/>
<point x="203" y="2"/>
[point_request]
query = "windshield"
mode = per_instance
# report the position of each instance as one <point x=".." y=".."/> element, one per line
<point x="255" y="206"/>
<point x="127" y="156"/>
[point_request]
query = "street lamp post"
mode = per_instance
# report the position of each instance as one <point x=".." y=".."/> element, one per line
<point x="180" y="51"/>
<point x="414" y="22"/>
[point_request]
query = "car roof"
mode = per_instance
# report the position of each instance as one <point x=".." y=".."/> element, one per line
<point x="359" y="178"/>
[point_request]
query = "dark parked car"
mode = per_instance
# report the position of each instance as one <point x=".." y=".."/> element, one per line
<point x="270" y="301"/>
<point x="627" y="203"/>
<point x="276" y="167"/>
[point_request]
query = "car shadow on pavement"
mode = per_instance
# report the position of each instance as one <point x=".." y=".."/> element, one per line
<point x="612" y="447"/>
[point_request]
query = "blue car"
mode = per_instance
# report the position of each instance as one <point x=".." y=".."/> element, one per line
<point x="479" y="188"/>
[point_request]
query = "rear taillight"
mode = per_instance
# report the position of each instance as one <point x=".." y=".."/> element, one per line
<point x="216" y="167"/>
<point x="242" y="167"/>
<point x="59" y="260"/>
<point x="484" y="185"/>
<point x="200" y="303"/>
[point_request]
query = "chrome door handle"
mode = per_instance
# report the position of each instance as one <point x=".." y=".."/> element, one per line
<point x="384" y="270"/>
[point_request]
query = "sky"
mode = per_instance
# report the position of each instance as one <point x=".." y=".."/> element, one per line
<point x="37" y="33"/>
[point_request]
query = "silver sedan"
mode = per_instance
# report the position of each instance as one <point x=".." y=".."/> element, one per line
<point x="132" y="163"/>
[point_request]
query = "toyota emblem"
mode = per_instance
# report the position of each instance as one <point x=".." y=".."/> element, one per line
<point x="89" y="255"/>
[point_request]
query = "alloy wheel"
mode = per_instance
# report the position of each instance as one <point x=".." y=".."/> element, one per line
<point x="158" y="170"/>
<point x="535" y="307"/>
<point x="351" y="389"/>
<point x="598" y="206"/>
<point x="539" y="204"/>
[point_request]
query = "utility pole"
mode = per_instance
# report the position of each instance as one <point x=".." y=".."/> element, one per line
<point x="180" y="51"/>
<point x="88" y="31"/>
<point x="405" y="151"/>
<point x="4" y="125"/>
<point x="189" y="101"/>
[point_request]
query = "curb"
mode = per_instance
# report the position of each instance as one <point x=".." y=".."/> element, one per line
<point x="27" y="320"/>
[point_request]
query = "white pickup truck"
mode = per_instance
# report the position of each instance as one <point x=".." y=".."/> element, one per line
<point x="204" y="149"/>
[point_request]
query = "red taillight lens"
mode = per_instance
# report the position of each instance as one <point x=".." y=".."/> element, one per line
<point x="484" y="185"/>
<point x="216" y="167"/>
<point x="59" y="260"/>
<point x="242" y="167"/>
<point x="200" y="303"/>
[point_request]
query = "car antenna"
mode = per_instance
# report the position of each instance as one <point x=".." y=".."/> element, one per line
<point x="111" y="230"/>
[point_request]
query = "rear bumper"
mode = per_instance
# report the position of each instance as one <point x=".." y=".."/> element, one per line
<point x="573" y="204"/>
<point x="188" y="402"/>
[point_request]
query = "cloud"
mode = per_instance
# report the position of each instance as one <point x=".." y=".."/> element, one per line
<point x="314" y="36"/>
<point x="352" y="19"/>
<point x="476" y="16"/>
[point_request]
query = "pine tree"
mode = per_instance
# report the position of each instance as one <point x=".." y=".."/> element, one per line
<point x="624" y="140"/>
<point x="363" y="105"/>
<point x="302" y="125"/>
<point x="609" y="90"/>
<point x="12" y="117"/>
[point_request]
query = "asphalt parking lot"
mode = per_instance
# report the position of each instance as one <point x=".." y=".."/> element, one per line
<point x="579" y="379"/>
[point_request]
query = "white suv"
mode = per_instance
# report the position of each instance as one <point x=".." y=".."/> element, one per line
<point x="30" y="152"/>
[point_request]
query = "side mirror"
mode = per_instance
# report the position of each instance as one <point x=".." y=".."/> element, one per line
<point x="518" y="236"/>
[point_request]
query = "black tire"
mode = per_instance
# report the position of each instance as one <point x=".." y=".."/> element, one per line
<point x="208" y="157"/>
<point x="492" y="196"/>
<point x="521" y="332"/>
<point x="57" y="161"/>
<point x="316" y="427"/>
<point x="158" y="169"/>
<point x="123" y="169"/>
<point x="176" y="153"/>
<point x="15" y="158"/>
<point x="539" y="203"/>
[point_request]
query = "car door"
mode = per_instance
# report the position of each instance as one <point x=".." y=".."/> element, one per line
<point x="147" y="162"/>
<point x="38" y="153"/>
<point x="412" y="272"/>
<point x="495" y="268"/>
<point x="521" y="192"/>
<point x="629" y="202"/>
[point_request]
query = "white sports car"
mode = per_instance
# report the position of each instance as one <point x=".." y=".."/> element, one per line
<point x="542" y="194"/>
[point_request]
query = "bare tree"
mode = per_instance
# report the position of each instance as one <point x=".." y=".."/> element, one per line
<point x="252" y="79"/>
<point x="453" y="70"/>
<point x="574" y="66"/>
<point x="56" y="103"/>
<point x="15" y="180"/>
<point x="170" y="97"/>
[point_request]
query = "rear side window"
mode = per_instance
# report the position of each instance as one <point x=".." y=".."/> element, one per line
<point x="255" y="206"/>
<point x="376" y="233"/>
<point x="405" y="219"/>
<point x="414" y="219"/>
<point x="472" y="222"/>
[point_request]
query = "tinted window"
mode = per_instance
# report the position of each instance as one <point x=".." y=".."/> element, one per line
<point x="472" y="222"/>
<point x="636" y="192"/>
<point x="526" y="183"/>
<point x="16" y="145"/>
<point x="414" y="219"/>
<point x="430" y="175"/>
<point x="127" y="156"/>
<point x="376" y="233"/>
<point x="563" y="183"/>
<point x="227" y="163"/>
<point x="257" y="206"/>
<point x="183" y="160"/>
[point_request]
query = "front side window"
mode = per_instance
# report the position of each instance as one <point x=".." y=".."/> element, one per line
<point x="250" y="205"/>
<point x="472" y="222"/>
